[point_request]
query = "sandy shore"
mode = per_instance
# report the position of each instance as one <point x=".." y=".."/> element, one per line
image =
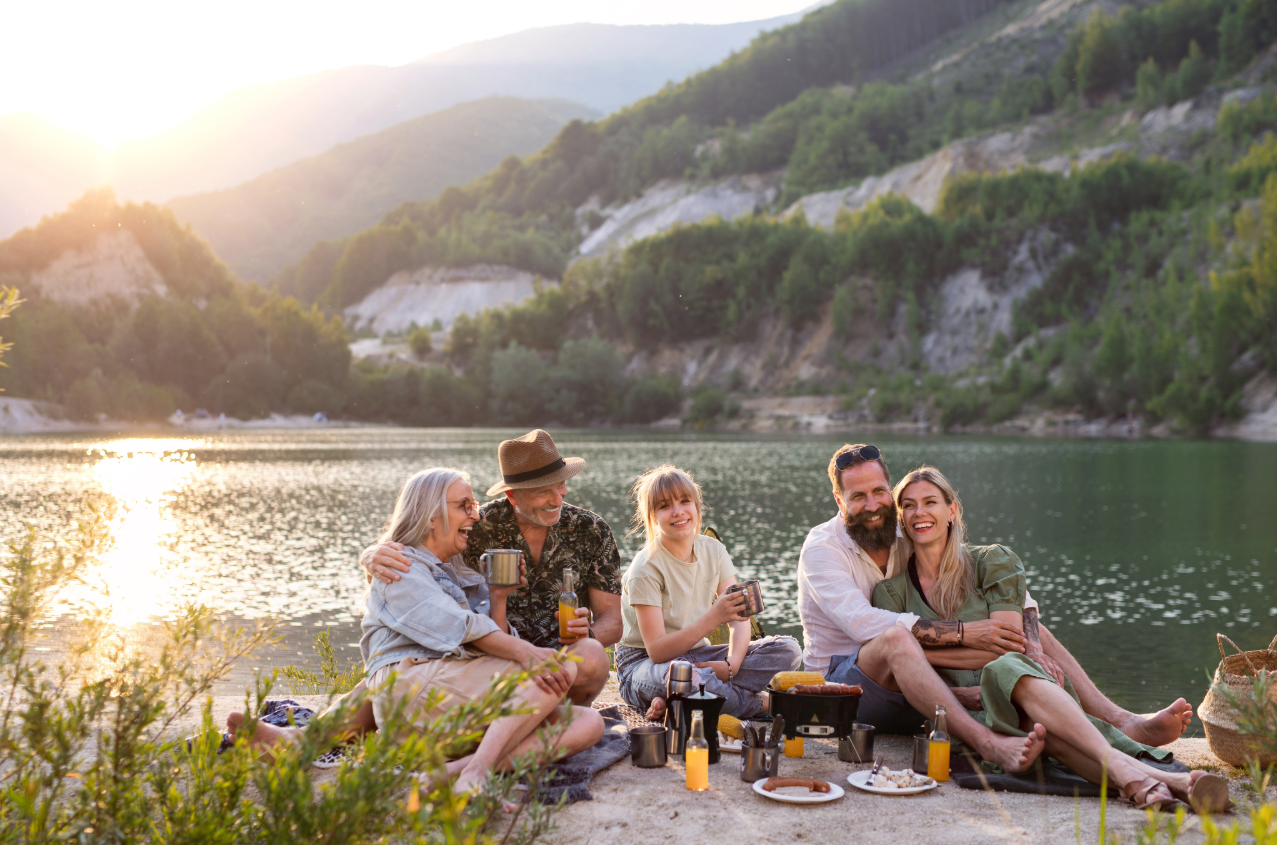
<point x="633" y="805"/>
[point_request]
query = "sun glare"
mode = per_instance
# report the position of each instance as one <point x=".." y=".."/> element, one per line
<point x="137" y="572"/>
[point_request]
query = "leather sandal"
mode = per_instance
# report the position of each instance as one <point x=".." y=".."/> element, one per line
<point x="1145" y="795"/>
<point x="1207" y="795"/>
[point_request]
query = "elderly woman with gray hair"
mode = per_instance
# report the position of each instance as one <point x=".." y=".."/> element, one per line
<point x="441" y="627"/>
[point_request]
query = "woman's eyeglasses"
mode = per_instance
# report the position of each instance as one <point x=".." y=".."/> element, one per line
<point x="470" y="506"/>
<point x="861" y="453"/>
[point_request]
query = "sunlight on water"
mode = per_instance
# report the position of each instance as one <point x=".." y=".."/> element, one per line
<point x="1137" y="552"/>
<point x="141" y="479"/>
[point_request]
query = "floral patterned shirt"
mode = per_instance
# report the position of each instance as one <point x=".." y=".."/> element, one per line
<point x="579" y="539"/>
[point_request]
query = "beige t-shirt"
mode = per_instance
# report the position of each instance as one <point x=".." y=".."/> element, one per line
<point x="683" y="591"/>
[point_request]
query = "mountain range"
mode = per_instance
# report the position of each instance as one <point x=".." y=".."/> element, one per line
<point x="256" y="129"/>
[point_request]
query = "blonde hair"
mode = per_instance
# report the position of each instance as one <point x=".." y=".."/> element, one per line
<point x="423" y="499"/>
<point x="956" y="579"/>
<point x="662" y="484"/>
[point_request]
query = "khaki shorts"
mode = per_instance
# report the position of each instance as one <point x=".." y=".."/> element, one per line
<point x="460" y="681"/>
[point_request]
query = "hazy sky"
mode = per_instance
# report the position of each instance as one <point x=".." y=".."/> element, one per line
<point x="130" y="68"/>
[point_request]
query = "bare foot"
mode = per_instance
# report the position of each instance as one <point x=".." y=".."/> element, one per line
<point x="1160" y="728"/>
<point x="1016" y="754"/>
<point x="656" y="712"/>
<point x="474" y="780"/>
<point x="265" y="737"/>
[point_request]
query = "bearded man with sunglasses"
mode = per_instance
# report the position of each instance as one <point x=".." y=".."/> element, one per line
<point x="852" y="642"/>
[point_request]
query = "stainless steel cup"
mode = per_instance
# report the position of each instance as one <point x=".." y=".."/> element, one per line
<point x="501" y="566"/>
<point x="921" y="748"/>
<point x="753" y="596"/>
<point x="757" y="763"/>
<point x="647" y="746"/>
<point x="859" y="746"/>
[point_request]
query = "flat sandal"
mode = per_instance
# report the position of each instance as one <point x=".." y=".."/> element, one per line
<point x="1144" y="789"/>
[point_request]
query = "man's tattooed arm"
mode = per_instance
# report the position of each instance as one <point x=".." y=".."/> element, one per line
<point x="1031" y="630"/>
<point x="936" y="634"/>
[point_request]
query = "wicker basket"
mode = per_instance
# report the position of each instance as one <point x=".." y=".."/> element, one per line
<point x="1234" y="674"/>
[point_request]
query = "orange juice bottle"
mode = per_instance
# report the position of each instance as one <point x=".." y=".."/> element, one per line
<point x="568" y="603"/>
<point x="938" y="749"/>
<point x="696" y="755"/>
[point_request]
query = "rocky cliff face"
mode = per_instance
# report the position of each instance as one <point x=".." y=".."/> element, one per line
<point x="115" y="266"/>
<point x="438" y="293"/>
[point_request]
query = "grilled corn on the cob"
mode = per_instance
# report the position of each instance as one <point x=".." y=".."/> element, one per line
<point x="784" y="680"/>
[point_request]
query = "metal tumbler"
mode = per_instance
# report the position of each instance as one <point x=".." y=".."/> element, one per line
<point x="647" y="746"/>
<point x="758" y="763"/>
<point x="501" y="566"/>
<point x="859" y="746"/>
<point x="753" y="591"/>
<point x="921" y="748"/>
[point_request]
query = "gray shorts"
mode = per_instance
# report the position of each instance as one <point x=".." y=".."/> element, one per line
<point x="889" y="712"/>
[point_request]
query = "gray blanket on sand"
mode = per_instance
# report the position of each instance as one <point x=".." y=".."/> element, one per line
<point x="570" y="777"/>
<point x="1049" y="778"/>
<point x="573" y="775"/>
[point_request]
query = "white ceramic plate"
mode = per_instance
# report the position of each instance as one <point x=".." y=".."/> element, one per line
<point x="835" y="792"/>
<point x="728" y="744"/>
<point x="860" y="780"/>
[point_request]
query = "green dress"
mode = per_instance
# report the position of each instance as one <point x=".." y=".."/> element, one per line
<point x="1000" y="585"/>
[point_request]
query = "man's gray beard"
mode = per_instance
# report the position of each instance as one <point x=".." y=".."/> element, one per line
<point x="872" y="539"/>
<point x="535" y="516"/>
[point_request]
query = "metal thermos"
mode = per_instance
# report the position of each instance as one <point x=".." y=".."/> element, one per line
<point x="501" y="566"/>
<point x="677" y="718"/>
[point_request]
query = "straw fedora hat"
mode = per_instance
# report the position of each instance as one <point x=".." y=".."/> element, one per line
<point x="532" y="461"/>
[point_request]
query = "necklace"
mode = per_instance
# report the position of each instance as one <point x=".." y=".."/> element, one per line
<point x="690" y="557"/>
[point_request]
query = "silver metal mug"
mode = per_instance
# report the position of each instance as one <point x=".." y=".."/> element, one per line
<point x="758" y="763"/>
<point x="501" y="566"/>
<point x="859" y="746"/>
<point x="921" y="749"/>
<point x="647" y="746"/>
<point x="753" y="591"/>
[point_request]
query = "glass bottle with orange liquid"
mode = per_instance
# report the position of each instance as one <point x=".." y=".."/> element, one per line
<point x="568" y="603"/>
<point x="696" y="755"/>
<point x="938" y="749"/>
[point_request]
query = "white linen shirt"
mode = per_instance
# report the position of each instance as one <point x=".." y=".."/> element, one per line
<point x="836" y="579"/>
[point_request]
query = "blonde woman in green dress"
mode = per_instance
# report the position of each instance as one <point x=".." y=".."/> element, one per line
<point x="946" y="579"/>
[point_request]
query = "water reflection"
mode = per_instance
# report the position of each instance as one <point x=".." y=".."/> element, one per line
<point x="141" y="479"/>
<point x="1137" y="552"/>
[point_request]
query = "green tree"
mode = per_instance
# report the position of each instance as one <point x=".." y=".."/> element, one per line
<point x="1148" y="84"/>
<point x="420" y="343"/>
<point x="1100" y="63"/>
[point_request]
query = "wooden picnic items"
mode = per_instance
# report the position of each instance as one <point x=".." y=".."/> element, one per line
<point x="1236" y="674"/>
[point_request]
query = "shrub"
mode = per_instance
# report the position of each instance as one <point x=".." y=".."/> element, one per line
<point x="420" y="343"/>
<point x="650" y="399"/>
<point x="708" y="404"/>
<point x="312" y="396"/>
<point x="1250" y="173"/>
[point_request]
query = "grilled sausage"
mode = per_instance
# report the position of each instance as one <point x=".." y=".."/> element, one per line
<point x="811" y="784"/>
<point x="826" y="689"/>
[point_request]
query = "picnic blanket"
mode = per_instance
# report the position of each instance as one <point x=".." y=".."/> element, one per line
<point x="570" y="777"/>
<point x="1047" y="777"/>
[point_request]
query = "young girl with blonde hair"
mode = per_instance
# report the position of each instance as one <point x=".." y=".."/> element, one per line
<point x="672" y="597"/>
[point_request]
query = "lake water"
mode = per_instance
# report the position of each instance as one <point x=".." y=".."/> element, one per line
<point x="1138" y="552"/>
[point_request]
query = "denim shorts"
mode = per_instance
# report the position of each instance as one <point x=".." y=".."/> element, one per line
<point x="889" y="712"/>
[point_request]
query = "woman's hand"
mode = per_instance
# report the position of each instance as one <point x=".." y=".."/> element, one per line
<point x="730" y="607"/>
<point x="554" y="681"/>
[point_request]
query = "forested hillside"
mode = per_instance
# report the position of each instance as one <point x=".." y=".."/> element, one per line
<point x="1140" y="285"/>
<point x="260" y="227"/>
<point x="1153" y="303"/>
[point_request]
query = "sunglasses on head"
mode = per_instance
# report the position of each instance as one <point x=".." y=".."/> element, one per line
<point x="861" y="453"/>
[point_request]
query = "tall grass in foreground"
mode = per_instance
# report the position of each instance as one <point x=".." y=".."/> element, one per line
<point x="90" y="749"/>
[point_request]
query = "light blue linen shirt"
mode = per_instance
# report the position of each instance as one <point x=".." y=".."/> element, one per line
<point x="431" y="612"/>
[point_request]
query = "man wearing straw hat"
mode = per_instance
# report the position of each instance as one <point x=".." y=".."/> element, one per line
<point x="552" y="534"/>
